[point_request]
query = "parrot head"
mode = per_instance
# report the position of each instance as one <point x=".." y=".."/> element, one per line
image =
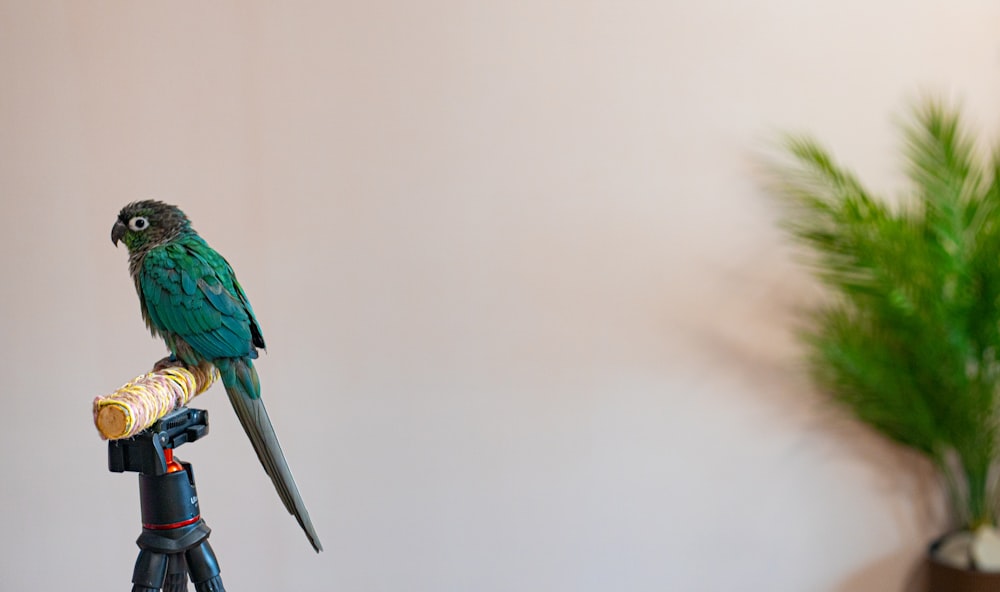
<point x="142" y="225"/>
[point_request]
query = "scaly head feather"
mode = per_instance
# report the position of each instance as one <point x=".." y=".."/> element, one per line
<point x="142" y="225"/>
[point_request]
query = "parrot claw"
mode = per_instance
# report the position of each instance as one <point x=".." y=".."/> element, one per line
<point x="167" y="362"/>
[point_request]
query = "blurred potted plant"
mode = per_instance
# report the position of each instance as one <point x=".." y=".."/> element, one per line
<point x="909" y="342"/>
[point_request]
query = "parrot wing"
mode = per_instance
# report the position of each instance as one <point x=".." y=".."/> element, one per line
<point x="187" y="296"/>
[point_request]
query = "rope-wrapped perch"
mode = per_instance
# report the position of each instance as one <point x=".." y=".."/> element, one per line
<point x="140" y="403"/>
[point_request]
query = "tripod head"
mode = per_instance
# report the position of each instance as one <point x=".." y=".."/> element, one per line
<point x="150" y="452"/>
<point x="174" y="539"/>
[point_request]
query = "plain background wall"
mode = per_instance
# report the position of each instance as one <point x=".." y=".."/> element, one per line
<point x="530" y="323"/>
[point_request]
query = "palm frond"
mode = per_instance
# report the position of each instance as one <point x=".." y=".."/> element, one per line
<point x="911" y="340"/>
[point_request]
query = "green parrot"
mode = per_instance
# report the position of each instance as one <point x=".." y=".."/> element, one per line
<point x="189" y="296"/>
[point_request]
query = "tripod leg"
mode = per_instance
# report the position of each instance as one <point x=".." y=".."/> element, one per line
<point x="204" y="568"/>
<point x="150" y="571"/>
<point x="177" y="577"/>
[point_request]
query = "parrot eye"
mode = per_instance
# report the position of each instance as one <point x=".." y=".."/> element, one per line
<point x="138" y="223"/>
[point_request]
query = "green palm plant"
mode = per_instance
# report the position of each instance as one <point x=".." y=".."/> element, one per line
<point x="910" y="340"/>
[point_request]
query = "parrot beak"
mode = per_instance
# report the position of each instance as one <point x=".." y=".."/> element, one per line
<point x="117" y="232"/>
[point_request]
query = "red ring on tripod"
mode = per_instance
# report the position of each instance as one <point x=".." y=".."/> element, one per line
<point x="172" y="526"/>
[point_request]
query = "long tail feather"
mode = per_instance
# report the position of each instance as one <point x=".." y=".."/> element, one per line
<point x="243" y="387"/>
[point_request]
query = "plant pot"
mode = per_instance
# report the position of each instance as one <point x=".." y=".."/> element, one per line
<point x="942" y="577"/>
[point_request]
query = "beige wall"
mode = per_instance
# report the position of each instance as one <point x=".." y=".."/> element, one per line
<point x="528" y="316"/>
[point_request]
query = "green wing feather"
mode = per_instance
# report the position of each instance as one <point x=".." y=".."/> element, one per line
<point x="190" y="292"/>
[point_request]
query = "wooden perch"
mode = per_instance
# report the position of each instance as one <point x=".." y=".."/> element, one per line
<point x="140" y="403"/>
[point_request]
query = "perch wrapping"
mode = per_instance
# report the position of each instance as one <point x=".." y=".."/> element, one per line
<point x="140" y="403"/>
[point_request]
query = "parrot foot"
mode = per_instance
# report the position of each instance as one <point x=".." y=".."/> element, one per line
<point x="167" y="362"/>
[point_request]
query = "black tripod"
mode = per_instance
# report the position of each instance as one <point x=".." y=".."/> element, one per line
<point x="174" y="540"/>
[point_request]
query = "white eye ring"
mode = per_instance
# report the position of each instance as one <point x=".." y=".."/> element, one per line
<point x="138" y="223"/>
